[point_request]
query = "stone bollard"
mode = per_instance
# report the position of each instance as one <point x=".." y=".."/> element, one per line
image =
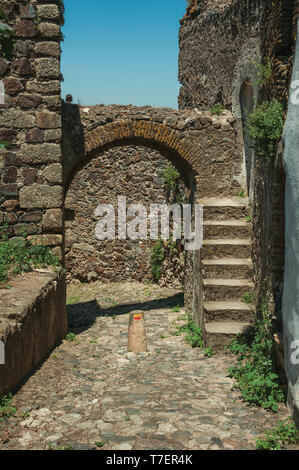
<point x="137" y="334"/>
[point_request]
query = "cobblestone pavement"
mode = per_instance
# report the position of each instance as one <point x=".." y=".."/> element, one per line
<point x="92" y="390"/>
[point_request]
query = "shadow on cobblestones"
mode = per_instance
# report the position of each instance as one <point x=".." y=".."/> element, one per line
<point x="82" y="315"/>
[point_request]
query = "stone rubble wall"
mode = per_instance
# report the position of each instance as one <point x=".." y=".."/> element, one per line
<point x="239" y="30"/>
<point x="31" y="324"/>
<point x="130" y="146"/>
<point x="135" y="172"/>
<point x="196" y="142"/>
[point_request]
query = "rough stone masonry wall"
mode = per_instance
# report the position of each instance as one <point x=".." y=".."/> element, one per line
<point x="135" y="172"/>
<point x="30" y="324"/>
<point x="212" y="138"/>
<point x="218" y="43"/>
<point x="30" y="119"/>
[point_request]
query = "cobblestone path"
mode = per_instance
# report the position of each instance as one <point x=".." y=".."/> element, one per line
<point x="92" y="390"/>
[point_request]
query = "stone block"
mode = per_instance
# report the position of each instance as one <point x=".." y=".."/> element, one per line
<point x="16" y="119"/>
<point x="48" y="12"/>
<point x="47" y="68"/>
<point x="12" y="85"/>
<point x="40" y="196"/>
<point x="41" y="153"/>
<point x="29" y="101"/>
<point x="52" y="220"/>
<point x="49" y="30"/>
<point x="46" y="240"/>
<point x="35" y="136"/>
<point x="25" y="29"/>
<point x="47" y="48"/>
<point x="53" y="173"/>
<point x="45" y="87"/>
<point x="47" y="120"/>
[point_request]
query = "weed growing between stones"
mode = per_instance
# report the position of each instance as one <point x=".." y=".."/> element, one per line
<point x="265" y="126"/>
<point x="71" y="337"/>
<point x="6" y="37"/>
<point x="255" y="371"/>
<point x="285" y="433"/>
<point x="193" y="334"/>
<point x="157" y="259"/>
<point x="171" y="178"/>
<point x="209" y="352"/>
<point x="6" y="409"/>
<point x="217" y="109"/>
<point x="18" y="256"/>
<point x="264" y="72"/>
<point x="247" y="298"/>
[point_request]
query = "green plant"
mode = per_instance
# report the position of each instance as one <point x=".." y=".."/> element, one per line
<point x="275" y="439"/>
<point x="247" y="298"/>
<point x="241" y="193"/>
<point x="99" y="444"/>
<point x="177" y="308"/>
<point x="217" y="109"/>
<point x="6" y="40"/>
<point x="265" y="126"/>
<point x="171" y="177"/>
<point x="157" y="259"/>
<point x="264" y="72"/>
<point x="6" y="409"/>
<point x="5" y="145"/>
<point x="248" y="218"/>
<point x="193" y="334"/>
<point x="71" y="337"/>
<point x="75" y="299"/>
<point x="255" y="371"/>
<point x="209" y="352"/>
<point x="17" y="256"/>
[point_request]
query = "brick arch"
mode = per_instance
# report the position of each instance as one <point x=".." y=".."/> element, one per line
<point x="179" y="150"/>
<point x="146" y="130"/>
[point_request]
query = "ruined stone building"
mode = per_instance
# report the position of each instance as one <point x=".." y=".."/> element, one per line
<point x="65" y="159"/>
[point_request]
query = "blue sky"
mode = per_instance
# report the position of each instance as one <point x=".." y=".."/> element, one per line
<point x="122" y="52"/>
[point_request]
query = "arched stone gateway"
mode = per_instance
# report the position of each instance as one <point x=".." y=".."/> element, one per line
<point x="87" y="132"/>
<point x="199" y="145"/>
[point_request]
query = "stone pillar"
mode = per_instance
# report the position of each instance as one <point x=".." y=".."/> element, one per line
<point x="30" y="121"/>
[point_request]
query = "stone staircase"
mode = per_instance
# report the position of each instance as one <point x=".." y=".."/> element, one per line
<point x="227" y="268"/>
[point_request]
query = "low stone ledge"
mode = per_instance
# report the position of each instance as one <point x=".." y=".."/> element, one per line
<point x="32" y="321"/>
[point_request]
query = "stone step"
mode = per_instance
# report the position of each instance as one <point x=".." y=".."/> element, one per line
<point x="226" y="289"/>
<point x="228" y="311"/>
<point x="227" y="268"/>
<point x="224" y="208"/>
<point x="220" y="334"/>
<point x="226" y="229"/>
<point x="226" y="248"/>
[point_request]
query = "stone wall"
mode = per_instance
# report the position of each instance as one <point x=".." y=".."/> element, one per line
<point x="244" y="32"/>
<point x="30" y="324"/>
<point x="137" y="173"/>
<point x="30" y="120"/>
<point x="240" y="31"/>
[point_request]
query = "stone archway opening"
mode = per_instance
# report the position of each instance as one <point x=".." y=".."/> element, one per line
<point x="137" y="174"/>
<point x="247" y="105"/>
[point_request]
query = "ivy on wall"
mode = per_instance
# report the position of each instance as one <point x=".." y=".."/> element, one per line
<point x="6" y="40"/>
